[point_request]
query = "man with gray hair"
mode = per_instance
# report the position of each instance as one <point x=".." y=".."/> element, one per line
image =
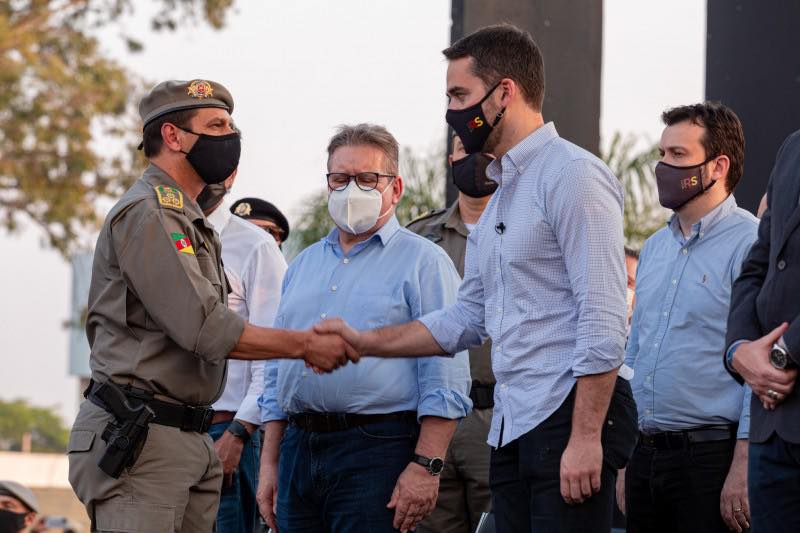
<point x="361" y="450"/>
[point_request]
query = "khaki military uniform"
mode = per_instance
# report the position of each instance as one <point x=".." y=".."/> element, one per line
<point x="464" y="485"/>
<point x="158" y="320"/>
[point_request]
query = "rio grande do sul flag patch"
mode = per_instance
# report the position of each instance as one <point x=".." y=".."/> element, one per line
<point x="182" y="243"/>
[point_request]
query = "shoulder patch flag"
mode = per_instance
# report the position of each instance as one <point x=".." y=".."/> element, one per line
<point x="169" y="197"/>
<point x="182" y="243"/>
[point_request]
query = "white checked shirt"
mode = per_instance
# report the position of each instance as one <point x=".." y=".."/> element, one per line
<point x="549" y="289"/>
<point x="255" y="267"/>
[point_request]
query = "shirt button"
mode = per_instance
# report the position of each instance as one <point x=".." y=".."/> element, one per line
<point x="700" y="234"/>
<point x="345" y="261"/>
<point x="323" y="315"/>
<point x="685" y="251"/>
<point x="781" y="264"/>
<point x="674" y="281"/>
<point x="305" y="373"/>
<point x="666" y="313"/>
<point x="655" y="344"/>
<point x="334" y="288"/>
<point x="647" y="412"/>
<point x="503" y="386"/>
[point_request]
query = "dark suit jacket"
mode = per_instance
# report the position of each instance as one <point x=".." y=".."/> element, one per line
<point x="767" y="292"/>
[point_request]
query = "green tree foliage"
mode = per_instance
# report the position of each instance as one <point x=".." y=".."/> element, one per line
<point x="423" y="177"/>
<point x="46" y="428"/>
<point x="58" y="93"/>
<point x="634" y="167"/>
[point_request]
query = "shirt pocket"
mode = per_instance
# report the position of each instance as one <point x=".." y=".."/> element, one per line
<point x="377" y="305"/>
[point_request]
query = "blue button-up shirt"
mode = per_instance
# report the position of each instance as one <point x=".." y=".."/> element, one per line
<point x="683" y="291"/>
<point x="544" y="278"/>
<point x="393" y="277"/>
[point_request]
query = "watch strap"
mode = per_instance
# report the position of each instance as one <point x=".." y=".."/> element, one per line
<point x="238" y="429"/>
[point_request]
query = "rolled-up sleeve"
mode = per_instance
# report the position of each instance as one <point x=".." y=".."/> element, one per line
<point x="461" y="324"/>
<point x="268" y="401"/>
<point x="170" y="284"/>
<point x="585" y="211"/>
<point x="444" y="382"/>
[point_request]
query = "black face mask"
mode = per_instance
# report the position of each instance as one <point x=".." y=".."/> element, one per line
<point x="211" y="196"/>
<point x="11" y="522"/>
<point x="214" y="157"/>
<point x="471" y="125"/>
<point x="469" y="176"/>
<point x="678" y="185"/>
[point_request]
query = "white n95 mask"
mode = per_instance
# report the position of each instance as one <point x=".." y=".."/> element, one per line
<point x="354" y="210"/>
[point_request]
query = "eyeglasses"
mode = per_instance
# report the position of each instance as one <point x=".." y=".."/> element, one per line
<point x="366" y="181"/>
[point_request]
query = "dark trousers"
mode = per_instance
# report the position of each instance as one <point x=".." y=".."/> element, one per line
<point x="525" y="474"/>
<point x="238" y="510"/>
<point x="774" y="485"/>
<point x="677" y="490"/>
<point x="341" y="481"/>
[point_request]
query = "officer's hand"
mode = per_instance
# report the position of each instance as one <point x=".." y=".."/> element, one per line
<point x="751" y="361"/>
<point x="229" y="450"/>
<point x="342" y="328"/>
<point x="414" y="497"/>
<point x="581" y="465"/>
<point x="327" y="352"/>
<point x="267" y="495"/>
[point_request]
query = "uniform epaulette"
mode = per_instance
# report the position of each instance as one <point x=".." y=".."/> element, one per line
<point x="429" y="214"/>
<point x="169" y="196"/>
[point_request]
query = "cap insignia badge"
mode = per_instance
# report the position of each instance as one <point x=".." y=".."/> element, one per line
<point x="200" y="89"/>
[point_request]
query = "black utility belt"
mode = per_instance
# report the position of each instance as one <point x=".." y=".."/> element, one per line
<point x="181" y="416"/>
<point x="482" y="396"/>
<point x="329" y="422"/>
<point x="675" y="440"/>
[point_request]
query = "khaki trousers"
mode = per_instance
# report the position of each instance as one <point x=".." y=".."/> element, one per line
<point x="174" y="486"/>
<point x="464" y="484"/>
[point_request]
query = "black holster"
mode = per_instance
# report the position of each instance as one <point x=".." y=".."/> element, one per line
<point x="126" y="434"/>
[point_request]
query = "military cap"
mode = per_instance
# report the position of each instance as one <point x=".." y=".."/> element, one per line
<point x="20" y="492"/>
<point x="261" y="209"/>
<point x="177" y="95"/>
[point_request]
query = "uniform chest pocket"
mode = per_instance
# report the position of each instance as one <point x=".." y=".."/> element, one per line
<point x="209" y="269"/>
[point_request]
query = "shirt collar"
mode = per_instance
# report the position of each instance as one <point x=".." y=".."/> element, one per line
<point x="383" y="236"/>
<point x="521" y="155"/>
<point x="700" y="228"/>
<point x="221" y="216"/>
<point x="454" y="221"/>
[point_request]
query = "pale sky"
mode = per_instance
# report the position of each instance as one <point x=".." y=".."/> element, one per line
<point x="296" y="70"/>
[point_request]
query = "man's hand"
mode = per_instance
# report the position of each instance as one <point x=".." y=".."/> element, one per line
<point x="581" y="465"/>
<point x="751" y="361"/>
<point x="339" y="327"/>
<point x="327" y="351"/>
<point x="733" y="503"/>
<point x="414" y="497"/>
<point x="229" y="450"/>
<point x="621" y="490"/>
<point x="267" y="495"/>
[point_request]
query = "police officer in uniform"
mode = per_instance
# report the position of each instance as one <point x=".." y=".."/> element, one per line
<point x="160" y="330"/>
<point x="464" y="483"/>
<point x="265" y="215"/>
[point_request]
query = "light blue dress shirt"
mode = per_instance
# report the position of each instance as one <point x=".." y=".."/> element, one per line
<point x="393" y="277"/>
<point x="683" y="291"/>
<point x="548" y="286"/>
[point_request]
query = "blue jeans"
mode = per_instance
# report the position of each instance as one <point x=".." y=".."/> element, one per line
<point x="774" y="485"/>
<point x="341" y="481"/>
<point x="238" y="510"/>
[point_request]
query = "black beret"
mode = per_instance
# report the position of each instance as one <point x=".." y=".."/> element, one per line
<point x="177" y="95"/>
<point x="261" y="210"/>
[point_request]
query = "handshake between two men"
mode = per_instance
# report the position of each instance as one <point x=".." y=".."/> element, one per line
<point x="330" y="344"/>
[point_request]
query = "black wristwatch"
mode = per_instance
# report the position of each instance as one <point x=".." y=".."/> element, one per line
<point x="433" y="466"/>
<point x="780" y="358"/>
<point x="238" y="429"/>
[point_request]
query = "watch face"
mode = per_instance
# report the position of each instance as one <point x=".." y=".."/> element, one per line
<point x="778" y="358"/>
<point x="436" y="466"/>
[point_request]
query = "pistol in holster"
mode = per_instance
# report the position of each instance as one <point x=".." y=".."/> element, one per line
<point x="126" y="434"/>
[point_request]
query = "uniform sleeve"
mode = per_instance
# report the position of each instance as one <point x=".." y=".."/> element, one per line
<point x="263" y="276"/>
<point x="444" y="382"/>
<point x="171" y="284"/>
<point x="461" y="325"/>
<point x="585" y="212"/>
